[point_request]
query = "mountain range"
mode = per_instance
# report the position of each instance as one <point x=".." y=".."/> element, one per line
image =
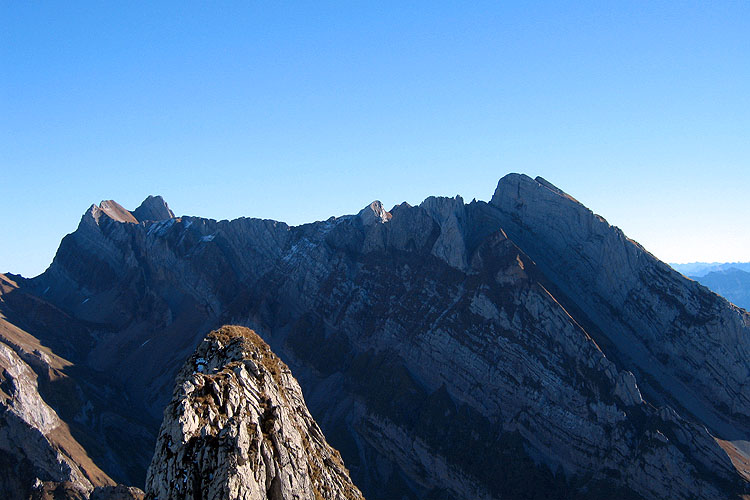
<point x="700" y="269"/>
<point x="729" y="279"/>
<point x="516" y="348"/>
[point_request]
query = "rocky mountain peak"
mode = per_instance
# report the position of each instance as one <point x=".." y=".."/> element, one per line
<point x="537" y="206"/>
<point x="238" y="427"/>
<point x="520" y="187"/>
<point x="111" y="209"/>
<point x="374" y="213"/>
<point x="450" y="215"/>
<point x="153" y="208"/>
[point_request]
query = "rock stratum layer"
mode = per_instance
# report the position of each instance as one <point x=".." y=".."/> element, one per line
<point x="238" y="427"/>
<point x="518" y="348"/>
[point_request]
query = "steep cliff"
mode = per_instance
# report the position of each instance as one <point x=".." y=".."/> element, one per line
<point x="238" y="427"/>
<point x="38" y="454"/>
<point x="686" y="344"/>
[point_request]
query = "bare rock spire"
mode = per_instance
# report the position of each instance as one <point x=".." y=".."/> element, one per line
<point x="238" y="427"/>
<point x="153" y="208"/>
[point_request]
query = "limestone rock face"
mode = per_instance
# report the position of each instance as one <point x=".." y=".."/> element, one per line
<point x="374" y="213"/>
<point x="153" y="208"/>
<point x="687" y="344"/>
<point x="25" y="423"/>
<point x="237" y="427"/>
<point x="112" y="210"/>
<point x="450" y="214"/>
<point x="119" y="492"/>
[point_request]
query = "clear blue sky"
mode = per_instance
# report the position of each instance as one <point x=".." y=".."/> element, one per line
<point x="299" y="111"/>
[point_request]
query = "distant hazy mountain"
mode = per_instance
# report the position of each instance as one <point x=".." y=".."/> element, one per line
<point x="731" y="280"/>
<point x="732" y="283"/>
<point x="698" y="269"/>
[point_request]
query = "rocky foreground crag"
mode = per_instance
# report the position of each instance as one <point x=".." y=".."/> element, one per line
<point x="516" y="348"/>
<point x="237" y="427"/>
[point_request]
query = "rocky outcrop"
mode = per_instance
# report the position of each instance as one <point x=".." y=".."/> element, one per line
<point x="153" y="208"/>
<point x="238" y="427"/>
<point x="450" y="215"/>
<point x="374" y="213"/>
<point x="119" y="492"/>
<point x="112" y="210"/>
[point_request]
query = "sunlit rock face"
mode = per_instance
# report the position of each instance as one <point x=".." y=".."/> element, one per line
<point x="237" y="427"/>
<point x="517" y="348"/>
